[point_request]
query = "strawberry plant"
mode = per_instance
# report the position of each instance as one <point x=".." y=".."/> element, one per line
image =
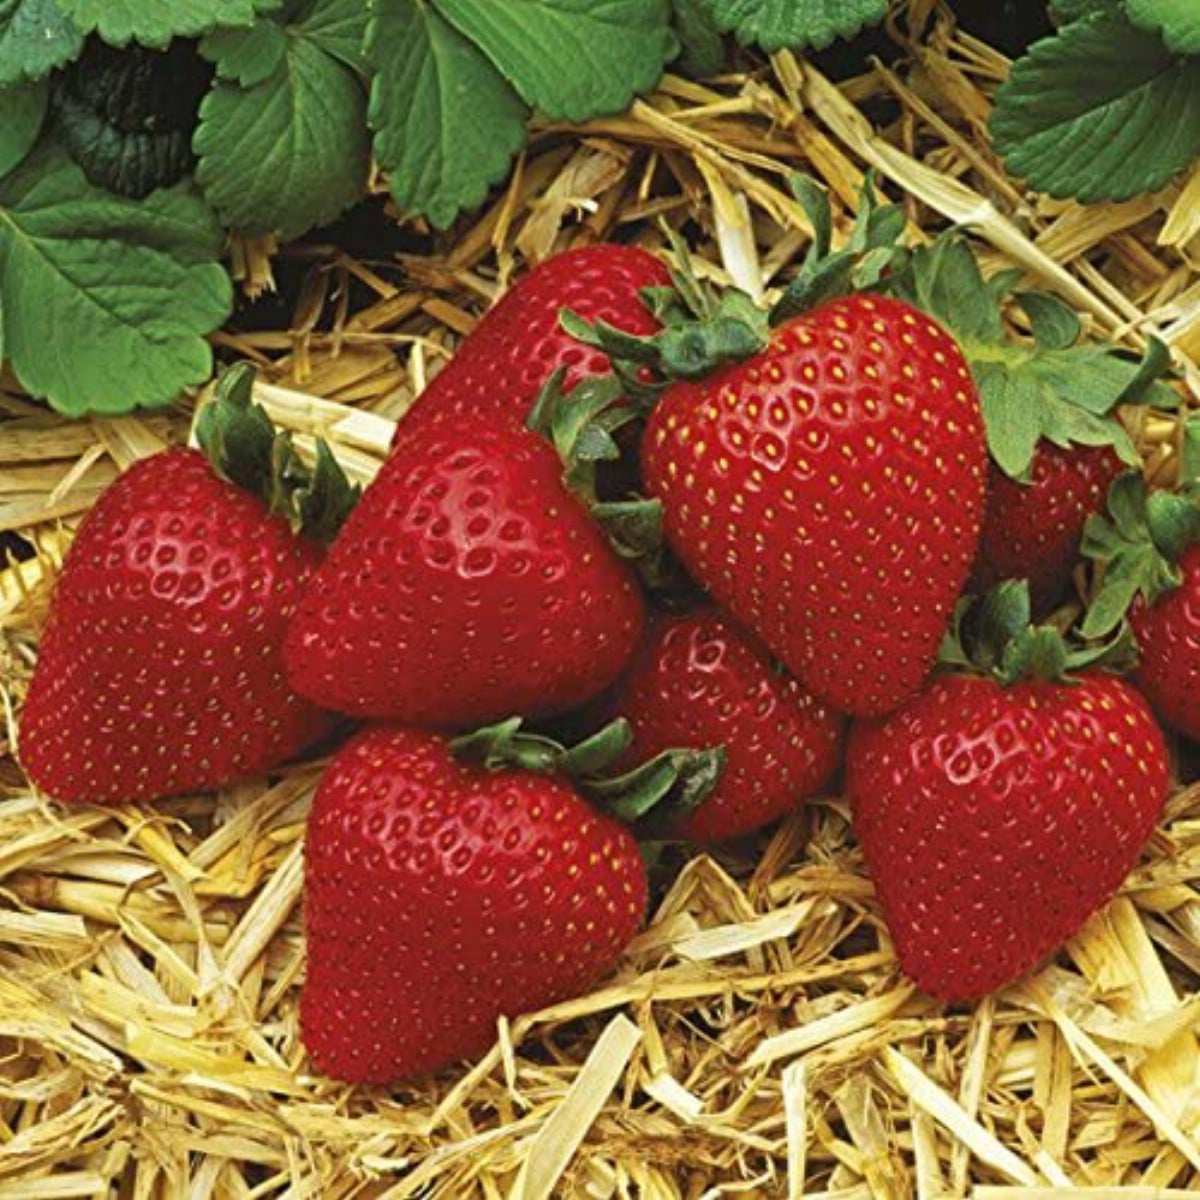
<point x="1108" y="107"/>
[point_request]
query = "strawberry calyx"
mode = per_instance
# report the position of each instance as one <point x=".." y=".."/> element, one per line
<point x="994" y="635"/>
<point x="580" y="426"/>
<point x="1055" y="384"/>
<point x="677" y="780"/>
<point x="703" y="327"/>
<point x="1137" y="547"/>
<point x="244" y="448"/>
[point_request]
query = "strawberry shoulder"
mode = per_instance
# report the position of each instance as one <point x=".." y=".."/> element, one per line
<point x="500" y="367"/>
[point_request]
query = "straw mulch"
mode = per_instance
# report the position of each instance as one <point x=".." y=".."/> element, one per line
<point x="757" y="1039"/>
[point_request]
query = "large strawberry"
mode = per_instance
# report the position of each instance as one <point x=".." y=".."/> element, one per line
<point x="699" y="680"/>
<point x="828" y="491"/>
<point x="1150" y="554"/>
<point x="1048" y="403"/>
<point x="443" y="891"/>
<point x="498" y="371"/>
<point x="471" y="582"/>
<point x="160" y="670"/>
<point x="999" y="810"/>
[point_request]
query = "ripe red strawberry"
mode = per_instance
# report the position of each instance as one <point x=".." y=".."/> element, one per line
<point x="1168" y="631"/>
<point x="699" y="680"/>
<point x="160" y="670"/>
<point x="499" y="369"/>
<point x="1150" y="551"/>
<point x="1033" y="531"/>
<point x="441" y="895"/>
<point x="996" y="819"/>
<point x="829" y="492"/>
<point x="469" y="583"/>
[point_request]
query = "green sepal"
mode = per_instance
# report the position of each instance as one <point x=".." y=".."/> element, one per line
<point x="873" y="251"/>
<point x="994" y="636"/>
<point x="1137" y="547"/>
<point x="672" y="783"/>
<point x="1057" y="386"/>
<point x="580" y="426"/>
<point x="246" y="449"/>
<point x="702" y="330"/>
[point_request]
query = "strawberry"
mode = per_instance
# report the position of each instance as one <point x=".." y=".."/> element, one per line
<point x="700" y="680"/>
<point x="1033" y="531"/>
<point x="471" y="582"/>
<point x="498" y="371"/>
<point x="1150" y="551"/>
<point x="829" y="491"/>
<point x="988" y="798"/>
<point x="160" y="670"/>
<point x="442" y="893"/>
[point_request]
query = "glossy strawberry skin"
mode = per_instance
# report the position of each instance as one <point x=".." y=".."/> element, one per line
<point x="440" y="896"/>
<point x="1032" y="531"/>
<point x="160" y="670"/>
<point x="996" y="821"/>
<point x="498" y="371"/>
<point x="1168" y="634"/>
<point x="468" y="585"/>
<point x="700" y="680"/>
<point x="829" y="493"/>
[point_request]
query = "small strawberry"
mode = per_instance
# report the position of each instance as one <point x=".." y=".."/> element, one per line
<point x="443" y="891"/>
<point x="471" y="581"/>
<point x="501" y="366"/>
<point x="999" y="811"/>
<point x="699" y="680"/>
<point x="1150" y="551"/>
<point x="160" y="670"/>
<point x="1033" y="531"/>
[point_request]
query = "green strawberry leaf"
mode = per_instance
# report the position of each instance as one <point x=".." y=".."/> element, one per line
<point x="124" y="293"/>
<point x="156" y="22"/>
<point x="702" y="49"/>
<point x="22" y="111"/>
<point x="35" y="37"/>
<point x="339" y="27"/>
<point x="570" y="59"/>
<point x="447" y="124"/>
<point x="249" y="55"/>
<point x="1066" y="11"/>
<point x="1103" y="111"/>
<point x="292" y="150"/>
<point x="1177" y="22"/>
<point x="795" y="24"/>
